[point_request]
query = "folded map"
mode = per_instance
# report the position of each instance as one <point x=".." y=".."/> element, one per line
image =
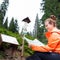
<point x="33" y="42"/>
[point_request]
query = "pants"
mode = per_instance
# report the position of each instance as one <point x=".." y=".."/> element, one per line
<point x="44" y="56"/>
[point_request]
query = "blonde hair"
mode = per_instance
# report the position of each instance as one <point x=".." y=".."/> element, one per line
<point x="51" y="20"/>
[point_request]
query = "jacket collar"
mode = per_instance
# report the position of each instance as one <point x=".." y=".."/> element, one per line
<point x="47" y="34"/>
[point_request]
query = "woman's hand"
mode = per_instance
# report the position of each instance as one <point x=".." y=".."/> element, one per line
<point x="29" y="45"/>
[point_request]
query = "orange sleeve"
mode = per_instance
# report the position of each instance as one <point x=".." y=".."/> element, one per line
<point x="53" y="41"/>
<point x="41" y="48"/>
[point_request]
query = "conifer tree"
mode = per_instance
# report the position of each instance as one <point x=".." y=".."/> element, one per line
<point x="13" y="26"/>
<point x="38" y="29"/>
<point x="5" y="25"/>
<point x="36" y="26"/>
<point x="16" y="26"/>
<point x="3" y="9"/>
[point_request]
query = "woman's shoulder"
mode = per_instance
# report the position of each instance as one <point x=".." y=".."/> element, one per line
<point x="53" y="33"/>
<point x="56" y="31"/>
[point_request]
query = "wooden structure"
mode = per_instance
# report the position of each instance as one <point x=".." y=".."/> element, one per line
<point x="8" y="39"/>
<point x="8" y="45"/>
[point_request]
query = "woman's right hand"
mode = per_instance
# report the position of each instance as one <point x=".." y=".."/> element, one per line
<point x="29" y="45"/>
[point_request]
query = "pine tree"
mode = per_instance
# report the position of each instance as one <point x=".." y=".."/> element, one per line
<point x="12" y="25"/>
<point x="5" y="25"/>
<point x="16" y="26"/>
<point x="38" y="29"/>
<point x="36" y="26"/>
<point x="3" y="9"/>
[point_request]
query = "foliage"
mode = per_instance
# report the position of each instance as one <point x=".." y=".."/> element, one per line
<point x="5" y="25"/>
<point x="13" y="26"/>
<point x="27" y="50"/>
<point x="16" y="26"/>
<point x="29" y="36"/>
<point x="2" y="55"/>
<point x="39" y="30"/>
<point x="36" y="27"/>
<point x="51" y="7"/>
<point x="3" y="9"/>
<point x="5" y="31"/>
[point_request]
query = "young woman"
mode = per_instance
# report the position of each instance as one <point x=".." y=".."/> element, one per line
<point x="51" y="51"/>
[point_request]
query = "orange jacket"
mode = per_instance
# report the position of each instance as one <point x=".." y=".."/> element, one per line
<point x="53" y="43"/>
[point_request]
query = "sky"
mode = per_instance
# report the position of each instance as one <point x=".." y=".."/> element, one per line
<point x="20" y="9"/>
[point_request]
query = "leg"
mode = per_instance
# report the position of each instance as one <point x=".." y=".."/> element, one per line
<point x="44" y="56"/>
<point x="54" y="56"/>
<point x="33" y="57"/>
<point x="48" y="55"/>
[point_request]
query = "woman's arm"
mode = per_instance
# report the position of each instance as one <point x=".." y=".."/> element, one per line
<point x="53" y="41"/>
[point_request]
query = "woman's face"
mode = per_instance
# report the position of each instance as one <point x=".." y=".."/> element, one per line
<point x="48" y="26"/>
